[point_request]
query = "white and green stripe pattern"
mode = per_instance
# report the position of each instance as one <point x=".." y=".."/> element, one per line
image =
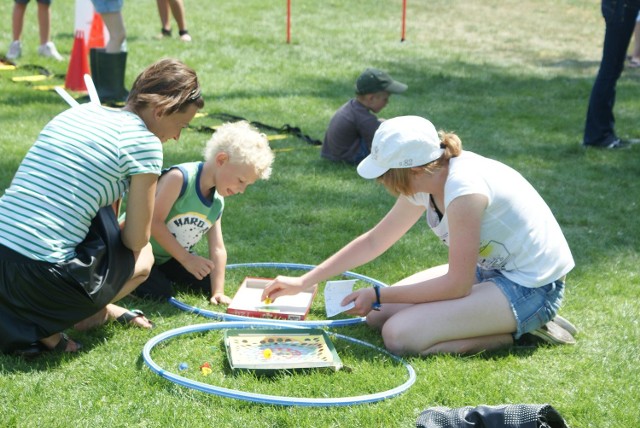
<point x="83" y="160"/>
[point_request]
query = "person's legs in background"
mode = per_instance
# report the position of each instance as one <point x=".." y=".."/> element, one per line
<point x="634" y="61"/>
<point x="620" y="21"/>
<point x="108" y="65"/>
<point x="163" y="11"/>
<point x="47" y="48"/>
<point x="176" y="7"/>
<point x="117" y="33"/>
<point x="17" y="22"/>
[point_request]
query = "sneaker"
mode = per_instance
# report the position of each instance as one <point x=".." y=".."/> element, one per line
<point x="566" y="324"/>
<point x="185" y="36"/>
<point x="617" y="143"/>
<point x="49" y="50"/>
<point x="553" y="334"/>
<point x="15" y="50"/>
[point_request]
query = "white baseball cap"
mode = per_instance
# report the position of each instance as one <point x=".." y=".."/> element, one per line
<point x="401" y="142"/>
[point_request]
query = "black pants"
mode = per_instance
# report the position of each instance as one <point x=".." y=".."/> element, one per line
<point x="161" y="281"/>
<point x="620" y="19"/>
<point x="38" y="299"/>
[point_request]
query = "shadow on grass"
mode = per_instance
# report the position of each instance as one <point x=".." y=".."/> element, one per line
<point x="52" y="359"/>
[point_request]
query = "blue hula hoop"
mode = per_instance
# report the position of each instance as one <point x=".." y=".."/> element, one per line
<point x="262" y="398"/>
<point x="306" y="323"/>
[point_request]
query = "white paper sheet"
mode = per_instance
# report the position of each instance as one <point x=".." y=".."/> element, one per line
<point x="334" y="292"/>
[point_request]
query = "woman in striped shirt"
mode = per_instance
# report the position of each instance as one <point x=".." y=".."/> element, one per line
<point x="63" y="258"/>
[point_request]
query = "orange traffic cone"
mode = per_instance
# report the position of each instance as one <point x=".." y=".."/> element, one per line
<point x="78" y="65"/>
<point x="96" y="34"/>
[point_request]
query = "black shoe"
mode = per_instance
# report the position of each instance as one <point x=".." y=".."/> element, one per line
<point x="617" y="144"/>
<point x="613" y="145"/>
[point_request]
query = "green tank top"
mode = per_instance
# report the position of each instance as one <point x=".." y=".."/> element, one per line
<point x="192" y="215"/>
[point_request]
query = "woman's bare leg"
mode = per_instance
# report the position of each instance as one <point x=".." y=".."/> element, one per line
<point x="44" y="22"/>
<point x="163" y="11"/>
<point x="483" y="320"/>
<point x="177" y="10"/>
<point x="117" y="34"/>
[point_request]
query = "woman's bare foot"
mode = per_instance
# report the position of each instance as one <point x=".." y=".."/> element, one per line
<point x="125" y="316"/>
<point x="114" y="313"/>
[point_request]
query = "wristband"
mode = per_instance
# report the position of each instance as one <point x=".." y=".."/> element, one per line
<point x="377" y="305"/>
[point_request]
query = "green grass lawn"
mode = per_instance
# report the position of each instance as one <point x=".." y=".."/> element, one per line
<point x="511" y="78"/>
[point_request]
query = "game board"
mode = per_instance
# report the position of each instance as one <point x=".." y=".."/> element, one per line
<point x="247" y="302"/>
<point x="271" y="349"/>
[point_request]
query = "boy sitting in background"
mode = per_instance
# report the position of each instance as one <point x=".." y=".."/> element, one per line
<point x="189" y="203"/>
<point x="350" y="132"/>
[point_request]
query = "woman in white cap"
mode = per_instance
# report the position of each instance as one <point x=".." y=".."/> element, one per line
<point x="508" y="257"/>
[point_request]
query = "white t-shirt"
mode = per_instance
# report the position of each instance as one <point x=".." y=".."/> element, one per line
<point x="519" y="235"/>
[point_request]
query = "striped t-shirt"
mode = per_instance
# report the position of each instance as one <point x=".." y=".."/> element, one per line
<point x="82" y="160"/>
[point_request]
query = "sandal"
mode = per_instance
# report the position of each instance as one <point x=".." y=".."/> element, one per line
<point x="127" y="317"/>
<point x="38" y="348"/>
<point x="62" y="344"/>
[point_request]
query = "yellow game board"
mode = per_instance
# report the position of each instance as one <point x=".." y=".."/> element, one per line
<point x="270" y="349"/>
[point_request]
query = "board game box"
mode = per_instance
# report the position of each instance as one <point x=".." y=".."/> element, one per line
<point x="273" y="349"/>
<point x="246" y="302"/>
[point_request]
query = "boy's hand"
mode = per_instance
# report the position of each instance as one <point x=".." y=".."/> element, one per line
<point x="220" y="299"/>
<point x="198" y="266"/>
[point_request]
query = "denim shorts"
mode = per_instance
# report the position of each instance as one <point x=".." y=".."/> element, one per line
<point x="107" y="6"/>
<point x="532" y="307"/>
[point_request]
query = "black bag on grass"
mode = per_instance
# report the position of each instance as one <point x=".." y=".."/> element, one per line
<point x="503" y="416"/>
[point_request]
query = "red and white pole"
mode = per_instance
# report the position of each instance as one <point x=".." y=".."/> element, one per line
<point x="288" y="21"/>
<point x="404" y="19"/>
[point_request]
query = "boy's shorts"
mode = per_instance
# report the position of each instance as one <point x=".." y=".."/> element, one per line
<point x="532" y="307"/>
<point x="39" y="1"/>
<point x="159" y="284"/>
<point x="107" y="6"/>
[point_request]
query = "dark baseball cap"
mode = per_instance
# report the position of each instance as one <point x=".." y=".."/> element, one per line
<point x="373" y="80"/>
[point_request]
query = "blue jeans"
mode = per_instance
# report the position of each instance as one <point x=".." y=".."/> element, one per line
<point x="363" y="152"/>
<point x="107" y="6"/>
<point x="620" y="19"/>
<point x="532" y="307"/>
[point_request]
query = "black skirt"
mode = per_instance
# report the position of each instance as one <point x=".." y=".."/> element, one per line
<point x="38" y="299"/>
